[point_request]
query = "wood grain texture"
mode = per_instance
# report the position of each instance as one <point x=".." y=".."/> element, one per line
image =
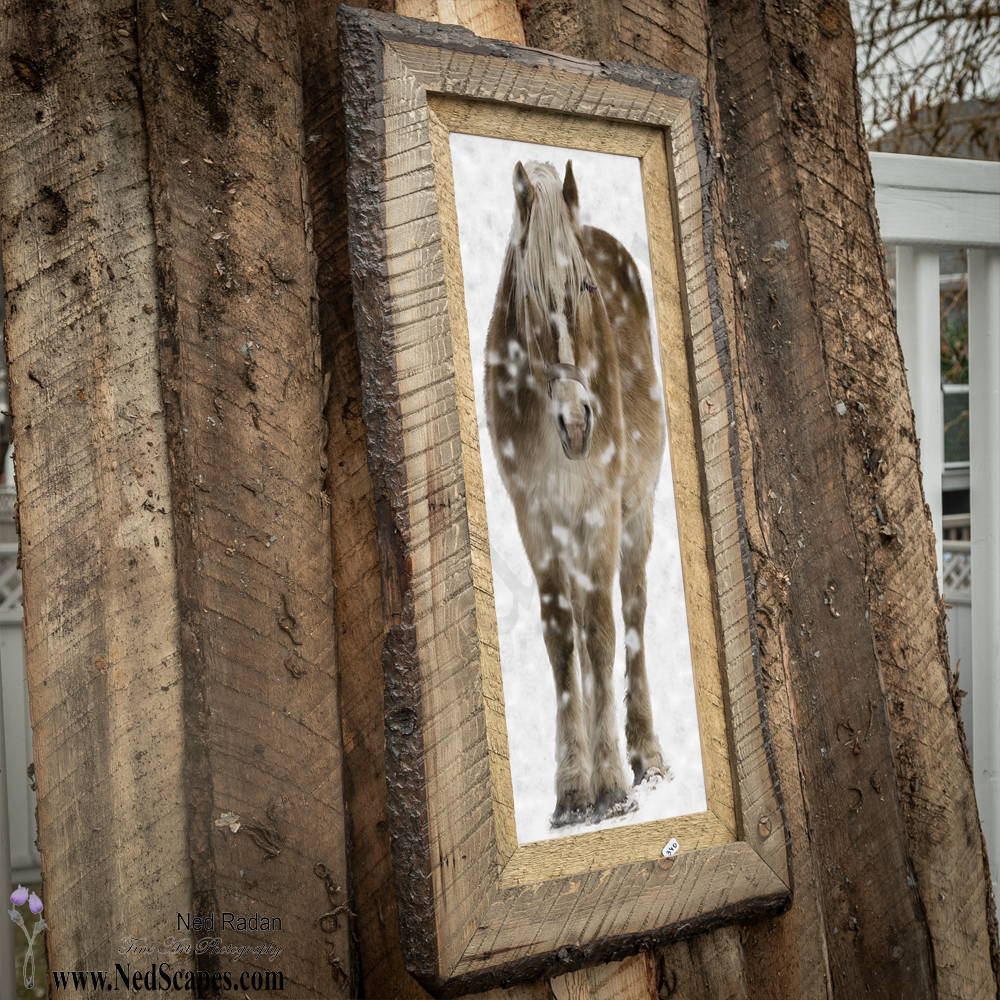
<point x="487" y="18"/>
<point x="244" y="397"/>
<point x="456" y="915"/>
<point x="633" y="979"/>
<point x="358" y="607"/>
<point x="816" y="332"/>
<point x="710" y="967"/>
<point x="501" y="787"/>
<point x="94" y="506"/>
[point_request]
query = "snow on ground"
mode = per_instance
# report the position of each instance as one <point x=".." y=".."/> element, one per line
<point x="610" y="198"/>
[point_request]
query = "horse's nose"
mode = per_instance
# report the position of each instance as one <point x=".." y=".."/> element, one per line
<point x="574" y="431"/>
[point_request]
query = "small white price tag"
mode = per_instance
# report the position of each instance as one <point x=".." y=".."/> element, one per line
<point x="672" y="848"/>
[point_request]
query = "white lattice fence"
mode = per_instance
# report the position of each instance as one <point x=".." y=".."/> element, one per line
<point x="10" y="582"/>
<point x="956" y="575"/>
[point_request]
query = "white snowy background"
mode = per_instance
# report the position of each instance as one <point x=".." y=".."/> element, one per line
<point x="610" y="190"/>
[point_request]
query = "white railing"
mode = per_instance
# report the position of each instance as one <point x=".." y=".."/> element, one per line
<point x="24" y="859"/>
<point x="926" y="203"/>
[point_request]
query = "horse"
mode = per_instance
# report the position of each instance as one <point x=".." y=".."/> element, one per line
<point x="575" y="414"/>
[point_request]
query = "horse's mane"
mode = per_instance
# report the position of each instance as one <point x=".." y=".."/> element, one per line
<point x="551" y="259"/>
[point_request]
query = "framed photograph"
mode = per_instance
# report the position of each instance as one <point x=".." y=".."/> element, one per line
<point x="578" y="759"/>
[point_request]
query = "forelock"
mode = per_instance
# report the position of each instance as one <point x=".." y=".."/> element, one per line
<point x="549" y="258"/>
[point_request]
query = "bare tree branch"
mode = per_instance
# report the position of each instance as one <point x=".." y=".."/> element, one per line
<point x="930" y="75"/>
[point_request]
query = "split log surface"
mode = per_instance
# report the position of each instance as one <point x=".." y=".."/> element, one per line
<point x="175" y="536"/>
<point x="244" y="395"/>
<point x="94" y="503"/>
<point x="858" y="628"/>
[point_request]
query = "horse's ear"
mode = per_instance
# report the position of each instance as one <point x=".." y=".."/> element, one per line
<point x="524" y="193"/>
<point x="569" y="189"/>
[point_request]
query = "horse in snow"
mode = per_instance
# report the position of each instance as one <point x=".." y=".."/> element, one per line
<point x="575" y="414"/>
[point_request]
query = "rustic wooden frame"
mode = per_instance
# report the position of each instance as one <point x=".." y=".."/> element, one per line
<point x="475" y="909"/>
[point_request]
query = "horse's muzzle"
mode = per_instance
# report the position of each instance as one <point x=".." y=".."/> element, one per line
<point x="574" y="417"/>
<point x="575" y="434"/>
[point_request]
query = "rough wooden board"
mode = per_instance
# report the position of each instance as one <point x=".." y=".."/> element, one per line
<point x="487" y="18"/>
<point x="428" y="562"/>
<point x="501" y="787"/>
<point x="358" y="607"/>
<point x="244" y="397"/>
<point x="903" y="602"/>
<point x="710" y="967"/>
<point x="673" y="330"/>
<point x="838" y="345"/>
<point x="633" y="979"/>
<point x="517" y="122"/>
<point x="460" y="830"/>
<point x="624" y="906"/>
<point x="535" y="989"/>
<point x="96" y="530"/>
<point x="599" y="849"/>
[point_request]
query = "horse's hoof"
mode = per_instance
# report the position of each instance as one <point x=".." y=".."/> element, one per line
<point x="644" y="768"/>
<point x="614" y="802"/>
<point x="642" y="775"/>
<point x="569" y="811"/>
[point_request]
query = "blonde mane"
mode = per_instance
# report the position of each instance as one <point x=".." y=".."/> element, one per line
<point x="551" y="259"/>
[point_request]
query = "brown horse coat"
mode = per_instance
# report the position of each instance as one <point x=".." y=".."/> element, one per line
<point x="575" y="414"/>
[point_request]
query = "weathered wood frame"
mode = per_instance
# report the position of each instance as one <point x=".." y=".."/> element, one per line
<point x="475" y="909"/>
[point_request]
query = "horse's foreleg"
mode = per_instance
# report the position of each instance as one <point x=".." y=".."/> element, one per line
<point x="572" y="759"/>
<point x="644" y="751"/>
<point x="607" y="782"/>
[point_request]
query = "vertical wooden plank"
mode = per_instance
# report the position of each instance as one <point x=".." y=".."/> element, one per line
<point x="812" y="333"/>
<point x="379" y="963"/>
<point x="984" y="466"/>
<point x="487" y="18"/>
<point x="244" y="394"/>
<point x="96" y="521"/>
<point x="691" y="971"/>
<point x="572" y="986"/>
<point x="634" y="978"/>
<point x="918" y="311"/>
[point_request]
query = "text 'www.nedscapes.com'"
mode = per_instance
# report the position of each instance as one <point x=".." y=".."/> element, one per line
<point x="160" y="977"/>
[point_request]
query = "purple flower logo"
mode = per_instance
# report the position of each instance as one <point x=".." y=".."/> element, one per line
<point x="19" y="897"/>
